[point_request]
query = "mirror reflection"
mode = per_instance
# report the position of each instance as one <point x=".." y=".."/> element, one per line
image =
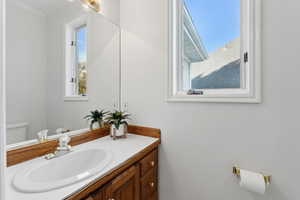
<point x="62" y="62"/>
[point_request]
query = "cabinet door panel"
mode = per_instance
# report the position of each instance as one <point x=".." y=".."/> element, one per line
<point x="154" y="196"/>
<point x="125" y="186"/>
<point x="149" y="184"/>
<point x="149" y="162"/>
<point x="89" y="198"/>
<point x="98" y="195"/>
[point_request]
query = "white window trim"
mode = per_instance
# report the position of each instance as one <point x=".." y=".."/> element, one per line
<point x="69" y="28"/>
<point x="252" y="91"/>
<point x="76" y="98"/>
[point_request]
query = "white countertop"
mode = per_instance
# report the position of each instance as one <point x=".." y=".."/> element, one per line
<point x="122" y="150"/>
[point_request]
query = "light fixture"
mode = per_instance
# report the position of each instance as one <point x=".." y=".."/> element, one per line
<point x="92" y="4"/>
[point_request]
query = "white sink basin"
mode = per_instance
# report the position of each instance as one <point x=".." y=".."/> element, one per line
<point x="62" y="171"/>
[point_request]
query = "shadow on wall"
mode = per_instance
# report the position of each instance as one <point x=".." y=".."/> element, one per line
<point x="226" y="77"/>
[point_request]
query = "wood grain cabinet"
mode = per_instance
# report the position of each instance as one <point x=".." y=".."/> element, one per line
<point x="125" y="186"/>
<point x="138" y="182"/>
<point x="149" y="177"/>
<point x="99" y="194"/>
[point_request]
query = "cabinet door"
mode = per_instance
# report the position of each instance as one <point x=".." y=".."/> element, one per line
<point x="125" y="186"/>
<point x="89" y="198"/>
<point x="97" y="195"/>
<point x="149" y="185"/>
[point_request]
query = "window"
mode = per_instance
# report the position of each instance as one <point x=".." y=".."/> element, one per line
<point x="76" y="60"/>
<point x="214" y="51"/>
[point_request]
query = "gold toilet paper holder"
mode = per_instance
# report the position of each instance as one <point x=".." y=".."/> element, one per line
<point x="237" y="171"/>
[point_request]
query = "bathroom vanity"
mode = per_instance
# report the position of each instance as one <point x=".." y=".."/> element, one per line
<point x="139" y="181"/>
<point x="130" y="174"/>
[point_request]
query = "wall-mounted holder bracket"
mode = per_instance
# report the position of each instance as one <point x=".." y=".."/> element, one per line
<point x="237" y="171"/>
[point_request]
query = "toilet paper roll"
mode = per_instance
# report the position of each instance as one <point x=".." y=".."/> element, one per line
<point x="253" y="182"/>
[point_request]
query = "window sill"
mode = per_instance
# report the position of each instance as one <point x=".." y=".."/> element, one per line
<point x="75" y="98"/>
<point x="180" y="98"/>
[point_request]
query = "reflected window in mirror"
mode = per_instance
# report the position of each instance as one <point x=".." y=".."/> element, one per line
<point x="76" y="59"/>
<point x="81" y="62"/>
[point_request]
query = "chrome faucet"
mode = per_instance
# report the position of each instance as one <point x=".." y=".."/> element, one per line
<point x="62" y="149"/>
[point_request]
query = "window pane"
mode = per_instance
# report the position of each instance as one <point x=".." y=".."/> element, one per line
<point x="81" y="51"/>
<point x="211" y="44"/>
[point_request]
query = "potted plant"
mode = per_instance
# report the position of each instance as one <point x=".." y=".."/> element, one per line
<point x="118" y="121"/>
<point x="96" y="118"/>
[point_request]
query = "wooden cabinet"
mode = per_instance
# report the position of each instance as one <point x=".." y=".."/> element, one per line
<point x="149" y="184"/>
<point x="99" y="194"/>
<point x="137" y="182"/>
<point x="149" y="162"/>
<point x="149" y="176"/>
<point x="125" y="186"/>
<point x="89" y="198"/>
<point x="154" y="196"/>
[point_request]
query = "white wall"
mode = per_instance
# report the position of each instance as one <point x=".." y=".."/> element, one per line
<point x="201" y="141"/>
<point x="102" y="66"/>
<point x="26" y="67"/>
<point x="111" y="10"/>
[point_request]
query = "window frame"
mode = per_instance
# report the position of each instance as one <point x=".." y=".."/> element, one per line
<point x="250" y="44"/>
<point x="71" y="58"/>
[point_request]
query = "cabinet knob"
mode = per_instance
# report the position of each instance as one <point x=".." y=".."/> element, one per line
<point x="152" y="163"/>
<point x="151" y="184"/>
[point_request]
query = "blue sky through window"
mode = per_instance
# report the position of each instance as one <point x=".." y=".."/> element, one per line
<point x="82" y="44"/>
<point x="217" y="21"/>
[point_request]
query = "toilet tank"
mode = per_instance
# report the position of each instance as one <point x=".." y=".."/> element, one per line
<point x="16" y="132"/>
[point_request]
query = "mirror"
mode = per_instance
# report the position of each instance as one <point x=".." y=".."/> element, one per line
<point x="63" y="60"/>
